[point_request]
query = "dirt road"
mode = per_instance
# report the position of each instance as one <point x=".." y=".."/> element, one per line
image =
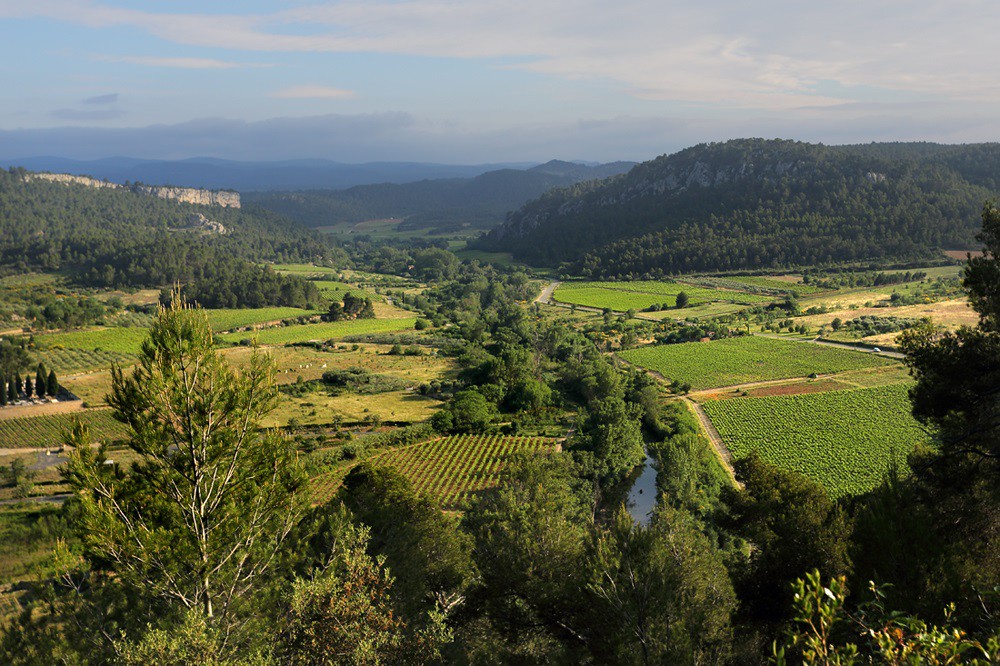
<point x="718" y="446"/>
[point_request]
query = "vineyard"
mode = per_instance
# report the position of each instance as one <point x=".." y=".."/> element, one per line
<point x="228" y="319"/>
<point x="47" y="431"/>
<point x="324" y="331"/>
<point x="844" y="440"/>
<point x="336" y="290"/>
<point x="641" y="294"/>
<point x="120" y="340"/>
<point x="733" y="361"/>
<point x="451" y="469"/>
<point x="70" y="361"/>
<point x="756" y="284"/>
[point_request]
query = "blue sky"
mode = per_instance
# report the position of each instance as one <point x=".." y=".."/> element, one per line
<point x="473" y="81"/>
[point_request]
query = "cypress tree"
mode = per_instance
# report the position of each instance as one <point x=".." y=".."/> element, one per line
<point x="40" y="381"/>
<point x="11" y="392"/>
<point x="27" y="388"/>
<point x="3" y="392"/>
<point x="52" y="387"/>
<point x="18" y="384"/>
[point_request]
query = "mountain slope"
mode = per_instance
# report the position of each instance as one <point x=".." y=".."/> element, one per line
<point x="124" y="238"/>
<point x="754" y="203"/>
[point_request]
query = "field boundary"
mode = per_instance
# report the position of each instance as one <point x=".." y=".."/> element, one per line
<point x="43" y="409"/>
<point x="719" y="447"/>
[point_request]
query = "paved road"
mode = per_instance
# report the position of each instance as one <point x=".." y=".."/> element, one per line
<point x="44" y="499"/>
<point x="546" y="296"/>
<point x="841" y="345"/>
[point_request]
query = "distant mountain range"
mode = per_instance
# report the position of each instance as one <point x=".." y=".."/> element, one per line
<point x="760" y="204"/>
<point x="214" y="174"/>
<point x="443" y="205"/>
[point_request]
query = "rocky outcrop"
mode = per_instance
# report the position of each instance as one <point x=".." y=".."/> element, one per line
<point x="198" y="222"/>
<point x="223" y="198"/>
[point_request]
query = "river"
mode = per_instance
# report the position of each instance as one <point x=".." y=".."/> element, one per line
<point x="642" y="494"/>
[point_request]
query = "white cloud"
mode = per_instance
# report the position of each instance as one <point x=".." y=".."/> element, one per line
<point x="771" y="54"/>
<point x="313" y="92"/>
<point x="175" y="63"/>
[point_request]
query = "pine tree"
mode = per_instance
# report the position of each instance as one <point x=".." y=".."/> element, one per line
<point x="213" y="485"/>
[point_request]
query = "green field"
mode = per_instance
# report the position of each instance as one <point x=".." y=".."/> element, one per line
<point x="844" y="440"/>
<point x="228" y="319"/>
<point x="128" y="340"/>
<point x="451" y="469"/>
<point x="304" y="270"/>
<point x="641" y="294"/>
<point x="325" y="331"/>
<point x="733" y="361"/>
<point x="119" y="340"/>
<point x="757" y="282"/>
<point x="72" y="361"/>
<point x="47" y="431"/>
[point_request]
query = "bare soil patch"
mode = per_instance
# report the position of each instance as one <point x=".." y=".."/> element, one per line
<point x="40" y="409"/>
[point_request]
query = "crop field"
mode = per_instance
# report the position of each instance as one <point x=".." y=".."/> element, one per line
<point x="452" y="469"/>
<point x="757" y="282"/>
<point x="319" y="408"/>
<point x="228" y="319"/>
<point x="305" y="270"/>
<point x="641" y="294"/>
<point x="47" y="431"/>
<point x="323" y="331"/>
<point x="733" y="361"/>
<point x="71" y="361"/>
<point x="120" y="340"/>
<point x="309" y="363"/>
<point x="335" y="290"/>
<point x="844" y="440"/>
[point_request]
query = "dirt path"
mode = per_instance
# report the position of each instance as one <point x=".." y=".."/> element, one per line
<point x="545" y="297"/>
<point x="44" y="409"/>
<point x="718" y="446"/>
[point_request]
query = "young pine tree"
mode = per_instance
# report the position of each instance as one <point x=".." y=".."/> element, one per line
<point x="198" y="521"/>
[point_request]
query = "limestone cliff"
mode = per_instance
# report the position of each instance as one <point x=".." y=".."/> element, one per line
<point x="223" y="198"/>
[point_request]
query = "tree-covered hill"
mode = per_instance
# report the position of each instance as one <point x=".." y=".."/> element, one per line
<point x="444" y="204"/>
<point x="114" y="237"/>
<point x="755" y="203"/>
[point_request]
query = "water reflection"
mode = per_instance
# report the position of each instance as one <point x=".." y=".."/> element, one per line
<point x="642" y="494"/>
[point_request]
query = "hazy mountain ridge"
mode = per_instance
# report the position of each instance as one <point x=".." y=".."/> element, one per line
<point x="482" y="201"/>
<point x="754" y="203"/>
<point x="213" y="174"/>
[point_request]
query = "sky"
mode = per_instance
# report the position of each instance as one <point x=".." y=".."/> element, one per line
<point x="471" y="81"/>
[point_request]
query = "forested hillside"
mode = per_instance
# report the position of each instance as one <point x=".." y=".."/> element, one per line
<point x="754" y="203"/>
<point x="444" y="204"/>
<point x="119" y="238"/>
